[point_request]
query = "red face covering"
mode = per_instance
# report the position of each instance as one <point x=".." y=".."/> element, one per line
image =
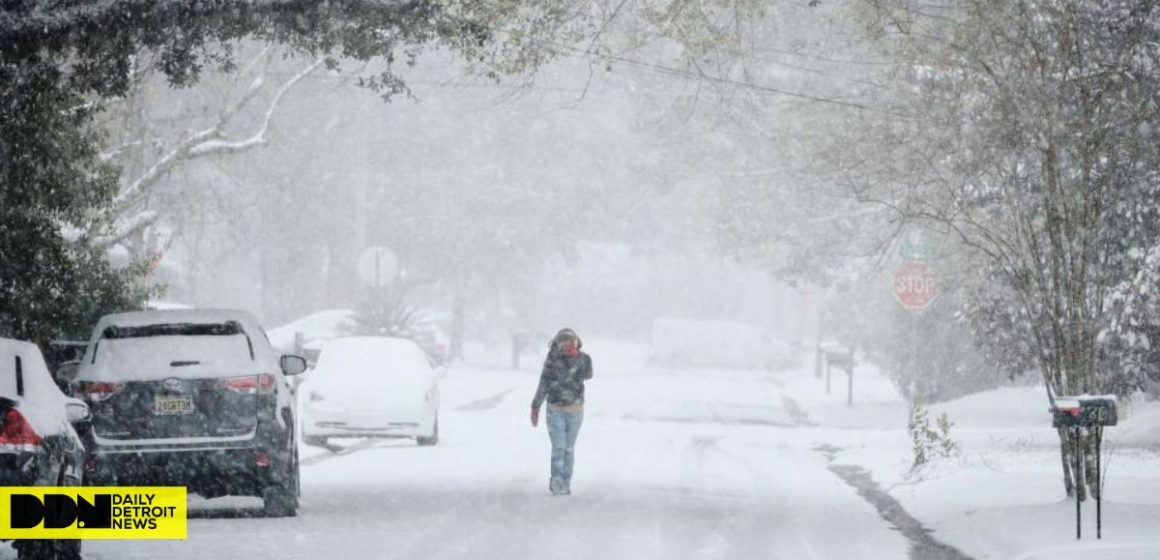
<point x="569" y="348"/>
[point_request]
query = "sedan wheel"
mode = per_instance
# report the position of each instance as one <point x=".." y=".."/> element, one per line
<point x="315" y="441"/>
<point x="431" y="439"/>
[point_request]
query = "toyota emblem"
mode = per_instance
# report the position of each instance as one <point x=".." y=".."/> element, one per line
<point x="172" y="384"/>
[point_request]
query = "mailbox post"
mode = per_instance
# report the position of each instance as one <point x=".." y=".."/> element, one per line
<point x="1093" y="413"/>
<point x="843" y="360"/>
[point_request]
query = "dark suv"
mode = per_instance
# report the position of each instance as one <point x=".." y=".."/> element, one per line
<point x="193" y="398"/>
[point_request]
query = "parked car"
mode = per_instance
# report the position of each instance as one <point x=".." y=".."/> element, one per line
<point x="320" y="326"/>
<point x="376" y="387"/>
<point x="306" y="334"/>
<point x="193" y="398"/>
<point x="432" y="340"/>
<point x="39" y="445"/>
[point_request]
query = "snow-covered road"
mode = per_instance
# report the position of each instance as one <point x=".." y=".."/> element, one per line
<point x="669" y="465"/>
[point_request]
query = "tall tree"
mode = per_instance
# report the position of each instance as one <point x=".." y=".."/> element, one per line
<point x="58" y="59"/>
<point x="1032" y="136"/>
<point x="50" y="285"/>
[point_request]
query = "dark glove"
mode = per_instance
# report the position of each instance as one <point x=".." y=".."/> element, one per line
<point x="535" y="416"/>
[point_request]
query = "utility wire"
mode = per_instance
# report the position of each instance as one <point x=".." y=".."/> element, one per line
<point x="722" y="80"/>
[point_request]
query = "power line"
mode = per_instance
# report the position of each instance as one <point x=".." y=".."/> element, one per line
<point x="817" y="71"/>
<point x="721" y="80"/>
<point x="820" y="58"/>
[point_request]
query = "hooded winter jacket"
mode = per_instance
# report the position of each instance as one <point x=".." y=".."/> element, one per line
<point x="562" y="379"/>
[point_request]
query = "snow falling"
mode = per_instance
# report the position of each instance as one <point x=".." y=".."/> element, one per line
<point x="587" y="278"/>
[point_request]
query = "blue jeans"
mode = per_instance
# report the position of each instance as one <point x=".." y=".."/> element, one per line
<point x="563" y="427"/>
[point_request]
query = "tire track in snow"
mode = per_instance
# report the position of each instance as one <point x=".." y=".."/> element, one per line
<point x="343" y="452"/>
<point x="923" y="546"/>
<point x="756" y="529"/>
<point x="470" y="520"/>
<point x="488" y="403"/>
<point x="796" y="412"/>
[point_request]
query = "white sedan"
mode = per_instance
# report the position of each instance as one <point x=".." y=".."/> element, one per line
<point x="371" y="387"/>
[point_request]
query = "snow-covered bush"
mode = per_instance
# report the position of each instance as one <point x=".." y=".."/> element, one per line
<point x="928" y="443"/>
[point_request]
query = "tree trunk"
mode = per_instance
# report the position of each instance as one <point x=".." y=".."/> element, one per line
<point x="342" y="278"/>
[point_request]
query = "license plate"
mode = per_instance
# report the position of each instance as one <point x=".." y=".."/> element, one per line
<point x="172" y="405"/>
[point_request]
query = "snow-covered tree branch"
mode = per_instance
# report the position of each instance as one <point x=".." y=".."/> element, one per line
<point x="127" y="216"/>
<point x="1036" y="148"/>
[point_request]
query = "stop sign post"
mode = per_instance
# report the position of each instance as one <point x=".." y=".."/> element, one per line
<point x="915" y="285"/>
<point x="378" y="267"/>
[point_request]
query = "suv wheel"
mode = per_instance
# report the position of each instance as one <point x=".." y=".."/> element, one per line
<point x="280" y="496"/>
<point x="279" y="501"/>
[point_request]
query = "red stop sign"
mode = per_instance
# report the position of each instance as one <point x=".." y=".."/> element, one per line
<point x="914" y="285"/>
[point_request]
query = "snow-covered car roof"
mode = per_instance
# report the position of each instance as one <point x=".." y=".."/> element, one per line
<point x="373" y="344"/>
<point x="42" y="402"/>
<point x="376" y="361"/>
<point x="37" y="383"/>
<point x="156" y="355"/>
<point x="163" y="316"/>
<point x="372" y="351"/>
<point x="157" y="304"/>
<point x="324" y="325"/>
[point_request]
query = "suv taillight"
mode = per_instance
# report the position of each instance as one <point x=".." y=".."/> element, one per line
<point x="262" y="384"/>
<point x="97" y="391"/>
<point x="17" y="434"/>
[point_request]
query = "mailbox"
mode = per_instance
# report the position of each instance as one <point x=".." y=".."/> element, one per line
<point x="1084" y="411"/>
<point x="840" y="360"/>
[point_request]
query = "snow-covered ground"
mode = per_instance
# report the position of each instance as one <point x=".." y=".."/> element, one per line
<point x="1002" y="496"/>
<point x="669" y="465"/>
<point x="687" y="464"/>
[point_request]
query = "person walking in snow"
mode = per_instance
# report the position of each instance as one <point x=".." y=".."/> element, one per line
<point x="562" y="386"/>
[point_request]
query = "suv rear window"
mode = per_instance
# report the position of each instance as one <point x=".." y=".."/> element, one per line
<point x="149" y="351"/>
<point x="175" y="329"/>
<point x="226" y="329"/>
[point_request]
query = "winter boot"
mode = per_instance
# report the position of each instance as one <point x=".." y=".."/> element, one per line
<point x="556" y="486"/>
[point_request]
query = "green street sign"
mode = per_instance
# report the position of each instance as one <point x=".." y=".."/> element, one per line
<point x="917" y="251"/>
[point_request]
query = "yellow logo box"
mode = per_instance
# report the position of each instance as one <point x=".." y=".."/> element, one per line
<point x="94" y="512"/>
